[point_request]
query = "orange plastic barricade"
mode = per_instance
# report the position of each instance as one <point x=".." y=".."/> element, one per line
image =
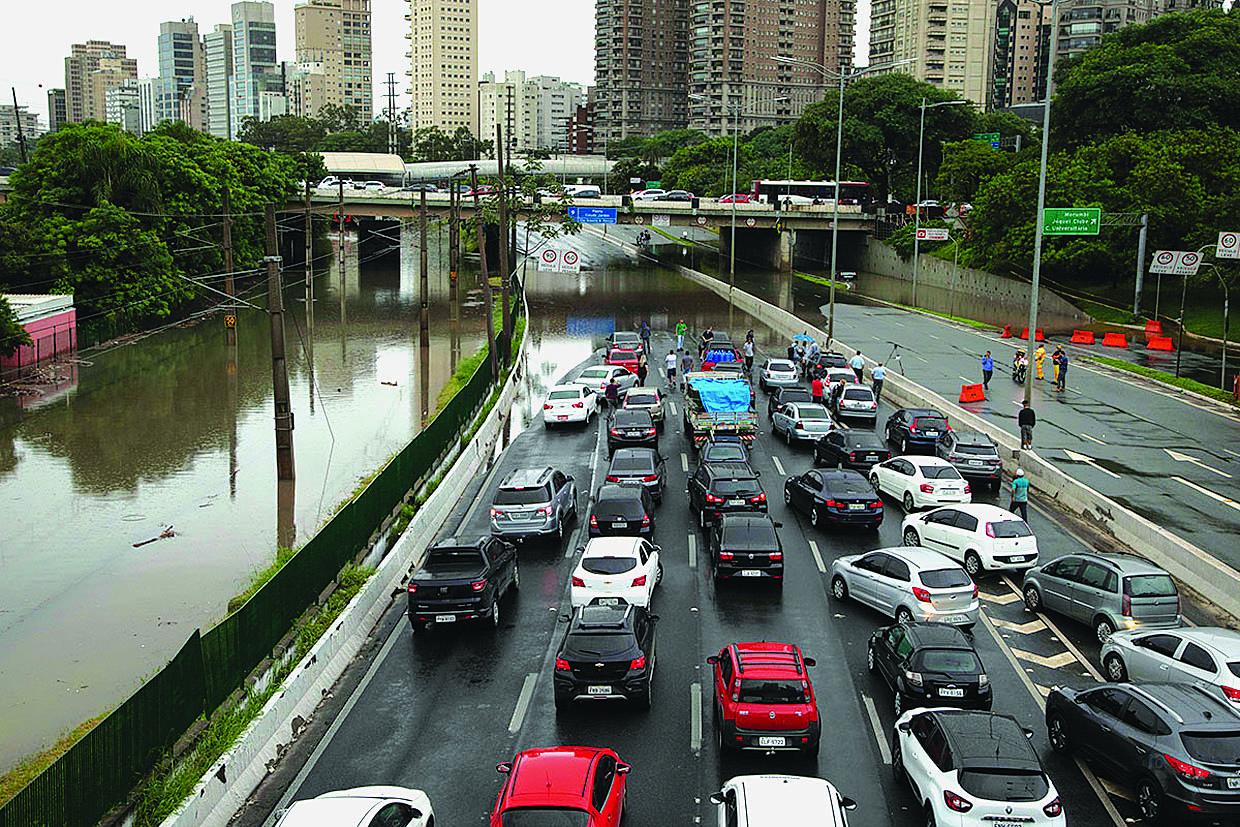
<point x="1024" y="333"/>
<point x="1115" y="340"/>
<point x="1083" y="337"/>
<point x="1160" y="343"/>
<point x="972" y="393"/>
<point x="1039" y="336"/>
<point x="1007" y="332"/>
<point x="1153" y="328"/>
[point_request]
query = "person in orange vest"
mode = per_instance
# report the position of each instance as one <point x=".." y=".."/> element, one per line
<point x="815" y="389"/>
<point x="1039" y="355"/>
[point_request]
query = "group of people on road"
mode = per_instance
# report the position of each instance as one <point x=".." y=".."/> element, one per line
<point x="1020" y="367"/>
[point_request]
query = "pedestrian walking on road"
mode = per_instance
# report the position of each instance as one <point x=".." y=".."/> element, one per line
<point x="1038" y="356"/>
<point x="880" y="375"/>
<point x="1020" y="495"/>
<point x="612" y="393"/>
<point x="1061" y="381"/>
<point x="988" y="370"/>
<point x="815" y="389"/>
<point x="1026" y="419"/>
<point x="858" y="365"/>
<point x="686" y="365"/>
<point x="645" y="334"/>
<point x="749" y="356"/>
<point x="642" y="369"/>
<point x="681" y="330"/>
<point x="669" y="365"/>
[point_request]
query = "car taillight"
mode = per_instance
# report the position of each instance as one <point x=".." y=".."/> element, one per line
<point x="1125" y="605"/>
<point x="990" y="529"/>
<point x="1186" y="771"/>
<point x="957" y="803"/>
<point x="761" y="498"/>
<point x="561" y="665"/>
<point x="651" y="431"/>
<point x="577" y="581"/>
<point x="1231" y="692"/>
<point x="711" y="498"/>
<point x="612" y="478"/>
<point x="974" y="591"/>
<point x="650" y="478"/>
<point x="967" y="489"/>
<point x="921" y="594"/>
<point x="776" y="556"/>
<point x="639" y="581"/>
<point x="877" y="504"/>
<point x="800" y="426"/>
<point x="593" y="521"/>
<point x="413" y="588"/>
<point x="614" y="431"/>
<point x="579" y="404"/>
<point x="646" y="520"/>
<point x="874" y="406"/>
<point x="545" y="511"/>
<point x="726" y="555"/>
<point x="478" y="585"/>
<point x="926" y="488"/>
<point x="546" y="406"/>
<point x="1054" y="809"/>
<point x="831" y="503"/>
<point x="913" y="678"/>
<point x="638" y="662"/>
<point x="852" y="457"/>
<point x="494" y="512"/>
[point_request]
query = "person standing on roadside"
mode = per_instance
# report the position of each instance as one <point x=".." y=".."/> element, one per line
<point x="748" y="356"/>
<point x="645" y="334"/>
<point x="815" y="389"/>
<point x="1026" y="419"/>
<point x="1055" y="364"/>
<point x="642" y="369"/>
<point x="1061" y="383"/>
<point x="1020" y="495"/>
<point x="669" y="364"/>
<point x="1039" y="355"/>
<point x="686" y="366"/>
<point x="857" y="363"/>
<point x="988" y="370"/>
<point x="880" y="375"/>
<point x="612" y="393"/>
<point x="681" y="330"/>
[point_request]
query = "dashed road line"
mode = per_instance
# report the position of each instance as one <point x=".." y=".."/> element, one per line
<point x="1115" y="790"/>
<point x="1021" y="628"/>
<point x="1050" y="624"/>
<point x="813" y="549"/>
<point x="672" y="407"/>
<point x="695" y="718"/>
<point x="1092" y="438"/>
<point x="523" y="703"/>
<point x="684" y="462"/>
<point x="779" y="466"/>
<point x="693" y="551"/>
<point x="1082" y="459"/>
<point x="1053" y="662"/>
<point x="877" y="726"/>
<point x="1001" y="599"/>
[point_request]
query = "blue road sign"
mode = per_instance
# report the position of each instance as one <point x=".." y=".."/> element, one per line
<point x="593" y="215"/>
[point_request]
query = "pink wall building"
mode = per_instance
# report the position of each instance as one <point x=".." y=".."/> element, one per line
<point x="51" y="321"/>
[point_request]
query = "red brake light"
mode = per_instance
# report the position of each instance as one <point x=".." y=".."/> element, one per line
<point x="561" y="665"/>
<point x="1232" y="693"/>
<point x="651" y="432"/>
<point x="646" y="520"/>
<point x="593" y="521"/>
<point x="990" y="529"/>
<point x="1186" y="771"/>
<point x="615" y="432"/>
<point x="650" y="478"/>
<point x="852" y="457"/>
<point x="761" y="498"/>
<point x="957" y="803"/>
<point x="776" y="555"/>
<point x="478" y="585"/>
<point x="639" y="581"/>
<point x="546" y="406"/>
<point x="831" y="503"/>
<point x="726" y="555"/>
<point x="924" y="596"/>
<point x="711" y="498"/>
<point x="1053" y="809"/>
<point x="612" y="478"/>
<point x="974" y="591"/>
<point x="577" y="581"/>
<point x="638" y="662"/>
<point x="413" y="587"/>
<point x="1125" y="606"/>
<point x="967" y="489"/>
<point x="800" y="426"/>
<point x="926" y="488"/>
<point x="877" y="504"/>
<point x="545" y="511"/>
<point x="579" y="405"/>
<point x="494" y="512"/>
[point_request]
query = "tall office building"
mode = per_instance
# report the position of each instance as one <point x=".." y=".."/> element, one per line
<point x="123" y="107"/>
<point x="257" y="75"/>
<point x="949" y="41"/>
<point x="333" y="42"/>
<point x="84" y="96"/>
<point x="10" y="117"/>
<point x="443" y="73"/>
<point x="217" y="47"/>
<point x="1082" y="23"/>
<point x="1018" y="68"/>
<point x="534" y="112"/>
<point x="641" y="66"/>
<point x="733" y="45"/>
<point x="183" y="93"/>
<point x="57" y="113"/>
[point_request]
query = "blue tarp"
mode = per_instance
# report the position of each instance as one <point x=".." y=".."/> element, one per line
<point x="722" y="395"/>
<point x="718" y="356"/>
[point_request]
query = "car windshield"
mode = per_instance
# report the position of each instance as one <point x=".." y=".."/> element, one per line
<point x="858" y="393"/>
<point x="638" y="463"/>
<point x="796" y="395"/>
<point x="454" y="559"/>
<point x="545" y="817"/>
<point x="622" y="509"/>
<point x="623" y="356"/>
<point x="521" y="496"/>
<point x="641" y="399"/>
<point x="564" y="395"/>
<point x="952" y="661"/>
<point x="726" y="487"/>
<point x="1008" y="529"/>
<point x="814" y="414"/>
<point x="608" y="565"/>
<point x="598" y="644"/>
<point x="725" y="453"/>
<point x="1213" y="747"/>
<point x="596" y="373"/>
<point x="930" y="423"/>
<point x="975" y="450"/>
<point x="771" y="692"/>
<point x="945" y="578"/>
<point x="852" y="485"/>
<point x="1004" y="784"/>
<point x="939" y="472"/>
<point x="632" y="419"/>
<point x="1149" y="585"/>
<point x="781" y="367"/>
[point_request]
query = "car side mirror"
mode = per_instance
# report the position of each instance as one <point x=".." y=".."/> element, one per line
<point x="504" y="767"/>
<point x="563" y="618"/>
<point x="905" y="727"/>
<point x="713" y="660"/>
<point x="716" y="798"/>
<point x="654" y="618"/>
<point x="777" y="524"/>
<point x="568" y="477"/>
<point x="757" y="473"/>
<point x="656" y="548"/>
<point x="623" y="769"/>
<point x="809" y="661"/>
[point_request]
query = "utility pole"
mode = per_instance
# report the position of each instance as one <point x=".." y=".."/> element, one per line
<point x="424" y="317"/>
<point x="17" y="118"/>
<point x="1136" y="299"/>
<point x="340" y="251"/>
<point x="230" y="331"/>
<point x="285" y="470"/>
<point x="486" y="276"/>
<point x="503" y="238"/>
<point x="309" y="249"/>
<point x="391" y="85"/>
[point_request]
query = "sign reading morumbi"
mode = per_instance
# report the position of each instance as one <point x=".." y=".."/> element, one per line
<point x="1072" y="220"/>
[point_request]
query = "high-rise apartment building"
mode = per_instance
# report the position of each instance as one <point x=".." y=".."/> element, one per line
<point x="257" y="75"/>
<point x="1082" y="23"/>
<point x="950" y="42"/>
<point x="84" y="96"/>
<point x="641" y="66"/>
<point x="217" y="48"/>
<point x="182" y="68"/>
<point x="10" y="117"/>
<point x="733" y="45"/>
<point x="333" y="41"/>
<point x="1018" y="68"/>
<point x="123" y="107"/>
<point x="443" y="73"/>
<point x="533" y="111"/>
<point x="57" y="112"/>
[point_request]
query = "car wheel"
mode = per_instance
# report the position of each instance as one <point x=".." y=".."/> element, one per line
<point x="1150" y="800"/>
<point x="546" y="425"/>
<point x="839" y="589"/>
<point x="897" y="704"/>
<point x="909" y="505"/>
<point x="417" y="628"/>
<point x="897" y="762"/>
<point x="1057" y="733"/>
<point x="904" y="445"/>
<point x="1115" y="669"/>
<point x="1033" y="600"/>
<point x="787" y="497"/>
<point x="1103" y="628"/>
<point x="720" y="743"/>
<point x="972" y="564"/>
<point x="911" y="538"/>
<point x="869" y="659"/>
<point x="903" y="615"/>
<point x="930" y="822"/>
<point x="561" y="703"/>
<point x="658" y="575"/>
<point x="814" y="518"/>
<point x="495" y="613"/>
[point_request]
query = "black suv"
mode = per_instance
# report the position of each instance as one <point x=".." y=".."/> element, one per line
<point x="462" y="579"/>
<point x="724" y="488"/>
<point x="622" y="510"/>
<point x="724" y="448"/>
<point x="783" y="396"/>
<point x="631" y="429"/>
<point x="748" y="546"/>
<point x="607" y="652"/>
<point x="834" y="497"/>
<point x="1178" y="745"/>
<point x="916" y="428"/>
<point x="975" y="456"/>
<point x="851" y="448"/>
<point x="929" y="664"/>
<point x="639" y="466"/>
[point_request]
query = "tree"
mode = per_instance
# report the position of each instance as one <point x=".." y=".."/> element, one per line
<point x="12" y="334"/>
<point x="283" y="133"/>
<point x="966" y="166"/>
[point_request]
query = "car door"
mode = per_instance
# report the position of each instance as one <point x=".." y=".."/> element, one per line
<point x="1091" y="589"/>
<point x="502" y="558"/>
<point x="936" y="529"/>
<point x="810" y="489"/>
<point x="891" y="642"/>
<point x="605" y="803"/>
<point x="1138" y="729"/>
<point x="698" y="484"/>
<point x="896" y="427"/>
<point x="562" y="494"/>
<point x="1195" y="665"/>
<point x="1095" y="728"/>
<point x="1056" y="581"/>
<point x="649" y="555"/>
<point x="1152" y="657"/>
<point x="886" y="473"/>
<point x="780" y="422"/>
<point x="891" y="586"/>
<point x="864" y="582"/>
<point x="961" y="535"/>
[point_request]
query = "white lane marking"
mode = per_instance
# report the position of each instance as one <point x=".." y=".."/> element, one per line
<point x="877" y="726"/>
<point x="663" y="373"/>
<point x="1178" y="457"/>
<point x="1029" y="628"/>
<point x="523" y="703"/>
<point x="1053" y="662"/>
<point x="1001" y="599"/>
<point x="918" y="358"/>
<point x="1233" y="453"/>
<point x="1092" y="438"/>
<point x="779" y="466"/>
<point x="684" y="462"/>
<point x="964" y="378"/>
<point x="672" y="406"/>
<point x="1073" y="456"/>
<point x="693" y="551"/>
<point x="932" y="336"/>
<point x="813" y="549"/>
<point x="1208" y="493"/>
<point x="1050" y="624"/>
<point x="583" y="525"/>
<point x="1116" y="790"/>
<point x="695" y="718"/>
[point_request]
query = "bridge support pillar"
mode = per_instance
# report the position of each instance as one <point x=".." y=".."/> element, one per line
<point x="786" y="250"/>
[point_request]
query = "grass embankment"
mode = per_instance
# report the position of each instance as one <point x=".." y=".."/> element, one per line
<point x="1166" y="378"/>
<point x="15" y="779"/>
<point x="1107" y="313"/>
<point x="819" y="280"/>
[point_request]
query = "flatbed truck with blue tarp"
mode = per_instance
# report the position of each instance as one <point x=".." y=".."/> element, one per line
<point x="718" y="405"/>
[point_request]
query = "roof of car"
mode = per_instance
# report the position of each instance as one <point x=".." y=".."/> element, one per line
<point x="603" y="546"/>
<point x="1189" y="705"/>
<point x="791" y="389"/>
<point x="921" y="558"/>
<point x="986" y="739"/>
<point x="463" y="542"/>
<point x="631" y="414"/>
<point x="1126" y="563"/>
<point x="804" y="407"/>
<point x="785" y="364"/>
<point x="731" y="470"/>
<point x="635" y="392"/>
<point x="623" y="353"/>
<point x="923" y="460"/>
<point x="573" y="388"/>
<point x="860" y="436"/>
<point x="973" y="438"/>
<point x="317" y="811"/>
<point x="767" y="659"/>
<point x="1225" y="640"/>
<point x="635" y="453"/>
<point x="557" y="776"/>
<point x="842" y="475"/>
<point x="938" y="635"/>
<point x="526" y="477"/>
<point x="923" y="412"/>
<point x="759" y="528"/>
<point x="615" y="491"/>
<point x="984" y="511"/>
<point x="624" y="334"/>
<point x="778" y="800"/>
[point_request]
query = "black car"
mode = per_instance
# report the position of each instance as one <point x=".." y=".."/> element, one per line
<point x="929" y="664"/>
<point x="851" y="448"/>
<point x="607" y="652"/>
<point x="832" y="359"/>
<point x="834" y="497"/>
<point x="639" y="466"/>
<point x="974" y="455"/>
<point x="724" y="488"/>
<point x="631" y="429"/>
<point x="746" y="546"/>
<point x="462" y="579"/>
<point x="677" y="195"/>
<point x="783" y="396"/>
<point x="622" y="511"/>
<point x="916" y="428"/>
<point x="1177" y="745"/>
<point x="723" y="448"/>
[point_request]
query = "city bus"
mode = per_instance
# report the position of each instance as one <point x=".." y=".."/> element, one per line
<point x="809" y="192"/>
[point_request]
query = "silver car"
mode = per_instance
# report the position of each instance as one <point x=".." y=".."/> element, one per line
<point x="778" y="373"/>
<point x="1108" y="591"/>
<point x="801" y="422"/>
<point x="907" y="584"/>
<point x="534" y="502"/>
<point x="647" y="399"/>
<point x="1205" y="656"/>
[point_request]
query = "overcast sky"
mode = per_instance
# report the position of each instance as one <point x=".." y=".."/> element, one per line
<point x="543" y="37"/>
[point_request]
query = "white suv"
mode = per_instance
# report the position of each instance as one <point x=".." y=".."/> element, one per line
<point x="982" y="537"/>
<point x="752" y="800"/>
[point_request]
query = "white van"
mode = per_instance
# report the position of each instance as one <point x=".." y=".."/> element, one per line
<point x="760" y="800"/>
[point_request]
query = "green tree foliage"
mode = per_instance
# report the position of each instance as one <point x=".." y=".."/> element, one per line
<point x="705" y="168"/>
<point x="12" y="334"/>
<point x="966" y="166"/>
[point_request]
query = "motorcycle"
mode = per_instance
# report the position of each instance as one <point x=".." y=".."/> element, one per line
<point x="1020" y="370"/>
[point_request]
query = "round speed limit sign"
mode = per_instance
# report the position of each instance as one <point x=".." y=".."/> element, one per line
<point x="1165" y="257"/>
<point x="571" y="258"/>
<point x="639" y="219"/>
<point x="549" y="256"/>
<point x="749" y="222"/>
<point x="701" y="220"/>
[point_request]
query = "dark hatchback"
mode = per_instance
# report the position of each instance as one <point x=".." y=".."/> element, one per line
<point x="639" y="466"/>
<point x="607" y="652"/>
<point x="916" y="428"/>
<point x="746" y="546"/>
<point x="723" y="448"/>
<point x="630" y="429"/>
<point x="622" y="511"/>
<point x="851" y="448"/>
<point x="929" y="664"/>
<point x="974" y="455"/>
<point x="783" y="396"/>
<point x="834" y="497"/>
<point x="724" y="488"/>
<point x="461" y="580"/>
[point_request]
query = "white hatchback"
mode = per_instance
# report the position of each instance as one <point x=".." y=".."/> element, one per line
<point x="360" y="807"/>
<point x="982" y="537"/>
<point x="760" y="800"/>
<point x="920" y="482"/>
<point x="616" y="568"/>
<point x="778" y="373"/>
<point x="569" y="403"/>
<point x="597" y="377"/>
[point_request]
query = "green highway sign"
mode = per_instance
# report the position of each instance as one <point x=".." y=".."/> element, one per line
<point x="1071" y="220"/>
<point x="991" y="138"/>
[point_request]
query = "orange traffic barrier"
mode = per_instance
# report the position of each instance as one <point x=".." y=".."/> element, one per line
<point x="1024" y="333"/>
<point x="1083" y="337"/>
<point x="1039" y="336"/>
<point x="1160" y="343"/>
<point x="1007" y="332"/>
<point x="1153" y="328"/>
<point x="972" y="393"/>
<point x="1115" y="340"/>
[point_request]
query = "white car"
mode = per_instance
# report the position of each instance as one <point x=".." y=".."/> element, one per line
<point x="982" y="537"/>
<point x="374" y="186"/>
<point x="760" y="800"/>
<point x="920" y="482"/>
<point x="1205" y="656"/>
<point x="836" y="375"/>
<point x="801" y="421"/>
<point x="583" y="191"/>
<point x="649" y="195"/>
<point x="620" y="568"/>
<point x="330" y="181"/>
<point x="361" y="807"/>
<point x="778" y="373"/>
<point x="569" y="403"/>
<point x="597" y="377"/>
<point x="909" y="584"/>
<point x="973" y="769"/>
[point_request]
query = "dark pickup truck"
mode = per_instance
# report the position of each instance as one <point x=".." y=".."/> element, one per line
<point x="462" y="579"/>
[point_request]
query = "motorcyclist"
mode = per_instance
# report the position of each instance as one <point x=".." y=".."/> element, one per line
<point x="1020" y="366"/>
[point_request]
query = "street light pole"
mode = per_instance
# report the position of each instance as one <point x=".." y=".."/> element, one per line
<point x="921" y="142"/>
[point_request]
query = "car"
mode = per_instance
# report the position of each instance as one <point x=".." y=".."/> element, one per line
<point x="855" y="402"/>
<point x="834" y="497"/>
<point x="646" y="399"/>
<point x="747" y="546"/>
<point x="331" y="181"/>
<point x="1109" y="591"/>
<point x="848" y="275"/>
<point x="764" y="700"/>
<point x="762" y="800"/>
<point x="534" y="502"/>
<point x="1207" y="656"/>
<point x="723" y="448"/>
<point x="787" y="395"/>
<point x="851" y="448"/>
<point x="907" y="584"/>
<point x="420" y="188"/>
<point x="597" y="378"/>
<point x="569" y="403"/>
<point x="485" y="189"/>
<point x="625" y="340"/>
<point x="912" y="428"/>
<point x="622" y="510"/>
<point x="834" y="376"/>
<point x="572" y="786"/>
<point x="643" y="467"/>
<point x="834" y="359"/>
<point x="583" y="191"/>
<point x="973" y="769"/>
<point x="920" y="482"/>
<point x="649" y="195"/>
<point x="778" y="373"/>
<point x="735" y="198"/>
<point x="374" y="186"/>
<point x="462" y="579"/>
<point x="929" y="664"/>
<point x="1176" y="745"/>
<point x="361" y="807"/>
<point x="720" y="488"/>
<point x="801" y="422"/>
<point x="982" y="537"/>
<point x="607" y="652"/>
<point x="677" y="195"/>
<point x="627" y="359"/>
<point x="975" y="455"/>
<point x="627" y="568"/>
<point x="630" y="429"/>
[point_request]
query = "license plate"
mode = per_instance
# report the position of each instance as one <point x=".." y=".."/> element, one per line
<point x="636" y="433"/>
<point x="598" y="690"/>
<point x="562" y="416"/>
<point x="620" y="524"/>
<point x="856" y="506"/>
<point x="772" y="741"/>
<point x="975" y="462"/>
<point x="956" y="619"/>
<point x="1006" y="824"/>
<point x="1233" y="783"/>
<point x="951" y="693"/>
<point x="736" y="502"/>
<point x="1018" y="558"/>
<point x="445" y="618"/>
<point x="749" y="573"/>
<point x="607" y="601"/>
<point x="932" y="433"/>
<point x="871" y="457"/>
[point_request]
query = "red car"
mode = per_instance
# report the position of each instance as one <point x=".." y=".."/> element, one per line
<point x="570" y="786"/>
<point x="735" y="198"/>
<point x="623" y="358"/>
<point x="764" y="700"/>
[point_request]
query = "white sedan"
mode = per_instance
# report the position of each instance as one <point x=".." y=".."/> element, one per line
<point x="920" y="482"/>
<point x="616" y="568"/>
<point x="597" y="377"/>
<point x="982" y="537"/>
<point x="361" y="807"/>
<point x="569" y="403"/>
